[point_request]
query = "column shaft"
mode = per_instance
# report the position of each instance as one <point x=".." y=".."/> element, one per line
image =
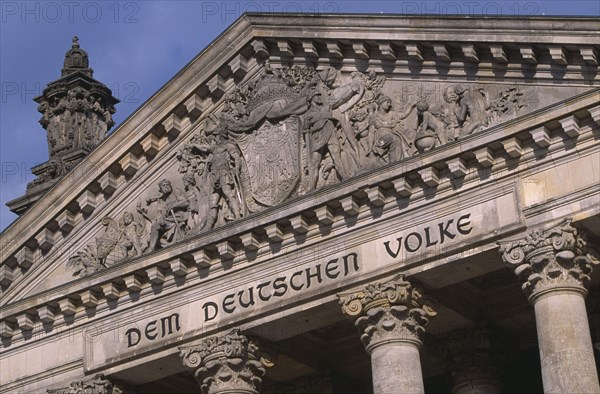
<point x="397" y="369"/>
<point x="566" y="352"/>
<point x="555" y="265"/>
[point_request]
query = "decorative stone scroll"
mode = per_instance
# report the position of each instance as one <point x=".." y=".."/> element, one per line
<point x="388" y="311"/>
<point x="231" y="363"/>
<point x="286" y="133"/>
<point x="96" y="385"/>
<point x="558" y="257"/>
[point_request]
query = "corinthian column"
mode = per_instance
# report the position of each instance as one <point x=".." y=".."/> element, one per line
<point x="227" y="364"/>
<point x="391" y="317"/>
<point x="555" y="267"/>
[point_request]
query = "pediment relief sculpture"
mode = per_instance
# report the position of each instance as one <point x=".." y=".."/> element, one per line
<point x="286" y="133"/>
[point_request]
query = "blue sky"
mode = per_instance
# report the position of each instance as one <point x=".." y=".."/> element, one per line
<point x="137" y="46"/>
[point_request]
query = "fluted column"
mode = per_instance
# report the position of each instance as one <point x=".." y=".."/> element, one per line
<point x="391" y="317"/>
<point x="472" y="358"/>
<point x="555" y="267"/>
<point x="226" y="364"/>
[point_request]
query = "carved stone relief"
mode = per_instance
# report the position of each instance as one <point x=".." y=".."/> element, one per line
<point x="559" y="257"/>
<point x="230" y="363"/>
<point x="96" y="385"/>
<point x="288" y="132"/>
<point x="76" y="114"/>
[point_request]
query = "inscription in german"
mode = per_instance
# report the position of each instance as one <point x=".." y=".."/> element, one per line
<point x="302" y="279"/>
<point x="430" y="236"/>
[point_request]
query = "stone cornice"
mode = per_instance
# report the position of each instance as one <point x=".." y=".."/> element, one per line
<point x="402" y="180"/>
<point x="442" y="23"/>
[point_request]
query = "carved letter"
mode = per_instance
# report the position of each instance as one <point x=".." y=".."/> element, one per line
<point x="407" y="243"/>
<point x="387" y="247"/>
<point x="279" y="286"/>
<point x="317" y="275"/>
<point x="251" y="298"/>
<point x="227" y="302"/>
<point x="260" y="287"/>
<point x="150" y="330"/>
<point x="293" y="285"/>
<point x="331" y="269"/>
<point x="133" y="337"/>
<point x="444" y="231"/>
<point x="464" y="221"/>
<point x="170" y="326"/>
<point x="346" y="261"/>
<point x="428" y="242"/>
<point x="214" y="307"/>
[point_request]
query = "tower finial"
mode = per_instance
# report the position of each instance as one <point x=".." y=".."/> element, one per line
<point x="76" y="59"/>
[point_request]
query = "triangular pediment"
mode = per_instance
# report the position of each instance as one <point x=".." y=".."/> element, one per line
<point x="278" y="109"/>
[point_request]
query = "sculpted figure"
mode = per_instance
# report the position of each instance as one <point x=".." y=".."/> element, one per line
<point x="432" y="130"/>
<point x="95" y="257"/>
<point x="438" y="122"/>
<point x="223" y="163"/>
<point x="198" y="208"/>
<point x="342" y="97"/>
<point x="171" y="215"/>
<point x="473" y="112"/>
<point x="133" y="232"/>
<point x="324" y="129"/>
<point x="389" y="141"/>
<point x="323" y="135"/>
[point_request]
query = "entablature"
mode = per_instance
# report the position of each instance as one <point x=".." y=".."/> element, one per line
<point x="491" y="159"/>
<point x="400" y="48"/>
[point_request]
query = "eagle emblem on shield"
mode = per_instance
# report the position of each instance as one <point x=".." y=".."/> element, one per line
<point x="267" y="130"/>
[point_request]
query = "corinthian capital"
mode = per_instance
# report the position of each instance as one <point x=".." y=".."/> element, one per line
<point x="95" y="385"/>
<point x="553" y="258"/>
<point x="388" y="311"/>
<point x="226" y="364"/>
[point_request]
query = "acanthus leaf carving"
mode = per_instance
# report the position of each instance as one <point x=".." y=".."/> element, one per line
<point x="227" y="363"/>
<point x="395" y="310"/>
<point x="546" y="258"/>
<point x="98" y="384"/>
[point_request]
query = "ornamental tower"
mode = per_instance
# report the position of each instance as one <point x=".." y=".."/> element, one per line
<point x="76" y="114"/>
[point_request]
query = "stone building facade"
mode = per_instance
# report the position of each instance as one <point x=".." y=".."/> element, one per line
<point x="321" y="204"/>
